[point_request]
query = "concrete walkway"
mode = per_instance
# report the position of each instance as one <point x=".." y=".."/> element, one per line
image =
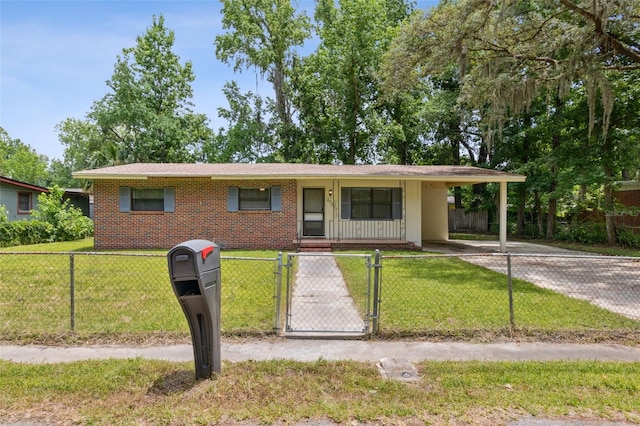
<point x="321" y="301"/>
<point x="311" y="350"/>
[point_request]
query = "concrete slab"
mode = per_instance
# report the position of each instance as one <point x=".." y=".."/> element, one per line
<point x="399" y="369"/>
<point x="321" y="301"/>
<point x="313" y="350"/>
<point x="478" y="246"/>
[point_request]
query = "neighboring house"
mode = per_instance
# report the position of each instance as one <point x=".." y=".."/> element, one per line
<point x="278" y="206"/>
<point x="78" y="198"/>
<point x="19" y="198"/>
<point x="627" y="193"/>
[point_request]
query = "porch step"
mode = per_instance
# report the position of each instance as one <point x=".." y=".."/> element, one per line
<point x="328" y="245"/>
<point x="307" y="246"/>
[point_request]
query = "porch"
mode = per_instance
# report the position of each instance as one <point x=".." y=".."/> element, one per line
<point x="331" y="244"/>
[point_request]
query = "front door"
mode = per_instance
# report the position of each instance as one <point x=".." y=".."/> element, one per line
<point x="313" y="212"/>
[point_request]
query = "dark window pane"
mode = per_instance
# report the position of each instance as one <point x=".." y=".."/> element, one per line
<point x="24" y="202"/>
<point x="255" y="199"/>
<point x="371" y="203"/>
<point x="147" y="199"/>
<point x="381" y="203"/>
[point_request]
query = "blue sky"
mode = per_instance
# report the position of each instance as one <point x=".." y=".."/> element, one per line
<point x="55" y="56"/>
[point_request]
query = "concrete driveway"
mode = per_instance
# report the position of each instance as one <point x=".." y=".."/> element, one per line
<point x="472" y="246"/>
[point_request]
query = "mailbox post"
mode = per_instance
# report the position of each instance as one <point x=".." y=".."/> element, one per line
<point x="194" y="269"/>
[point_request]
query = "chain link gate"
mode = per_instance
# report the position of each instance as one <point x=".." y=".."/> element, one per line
<point x="325" y="298"/>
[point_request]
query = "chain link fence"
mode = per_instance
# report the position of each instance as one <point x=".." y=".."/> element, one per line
<point x="458" y="294"/>
<point x="43" y="294"/>
<point x="111" y="293"/>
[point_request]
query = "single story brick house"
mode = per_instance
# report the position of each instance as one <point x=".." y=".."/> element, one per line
<point x="278" y="206"/>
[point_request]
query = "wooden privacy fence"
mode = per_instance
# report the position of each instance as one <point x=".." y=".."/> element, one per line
<point x="460" y="219"/>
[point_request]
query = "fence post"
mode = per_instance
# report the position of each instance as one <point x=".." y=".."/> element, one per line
<point x="376" y="292"/>
<point x="72" y="290"/>
<point x="510" y="281"/>
<point x="278" y="293"/>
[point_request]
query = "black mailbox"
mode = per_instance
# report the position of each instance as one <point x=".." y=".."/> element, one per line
<point x="194" y="269"/>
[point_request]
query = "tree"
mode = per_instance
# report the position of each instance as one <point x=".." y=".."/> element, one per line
<point x="263" y="34"/>
<point x="147" y="117"/>
<point x="339" y="92"/>
<point x="514" y="51"/>
<point x="20" y="162"/>
<point x="65" y="222"/>
<point x="249" y="137"/>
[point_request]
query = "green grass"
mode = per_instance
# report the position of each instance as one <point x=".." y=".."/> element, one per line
<point x="448" y="295"/>
<point x="138" y="391"/>
<point x="85" y="244"/>
<point x="116" y="293"/>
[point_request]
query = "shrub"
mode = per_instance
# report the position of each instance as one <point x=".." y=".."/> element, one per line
<point x="628" y="238"/>
<point x="67" y="222"/>
<point x="54" y="220"/>
<point x="584" y="233"/>
<point x="24" y="232"/>
<point x="4" y="215"/>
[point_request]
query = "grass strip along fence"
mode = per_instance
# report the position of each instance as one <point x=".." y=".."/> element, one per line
<point x="104" y="293"/>
<point x="88" y="294"/>
<point x="468" y="295"/>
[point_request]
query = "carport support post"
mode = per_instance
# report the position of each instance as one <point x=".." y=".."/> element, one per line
<point x="503" y="217"/>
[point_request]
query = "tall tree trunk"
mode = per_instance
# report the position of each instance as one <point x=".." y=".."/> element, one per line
<point x="551" y="216"/>
<point x="538" y="212"/>
<point x="553" y="200"/>
<point x="522" y="187"/>
<point x="522" y="200"/>
<point x="609" y="217"/>
<point x="608" y="192"/>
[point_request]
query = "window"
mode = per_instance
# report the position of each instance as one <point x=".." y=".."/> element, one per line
<point x="147" y="199"/>
<point x="254" y="198"/>
<point x="24" y="202"/>
<point x="371" y="203"/>
<point x="245" y="199"/>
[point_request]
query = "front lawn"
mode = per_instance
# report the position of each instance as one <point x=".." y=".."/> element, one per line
<point x="138" y="391"/>
<point x="449" y="296"/>
<point x="117" y="293"/>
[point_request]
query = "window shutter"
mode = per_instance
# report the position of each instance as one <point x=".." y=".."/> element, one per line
<point x="233" y="199"/>
<point x="125" y="199"/>
<point x="345" y="203"/>
<point x="276" y="199"/>
<point x="396" y="203"/>
<point x="169" y="199"/>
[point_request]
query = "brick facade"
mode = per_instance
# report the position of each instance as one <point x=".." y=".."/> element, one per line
<point x="630" y="199"/>
<point x="200" y="213"/>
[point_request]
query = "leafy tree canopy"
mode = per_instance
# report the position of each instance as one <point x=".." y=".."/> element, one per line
<point x="19" y="161"/>
<point x="511" y="50"/>
<point x="147" y="117"/>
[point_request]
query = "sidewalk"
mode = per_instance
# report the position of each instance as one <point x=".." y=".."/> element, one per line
<point x="312" y="350"/>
